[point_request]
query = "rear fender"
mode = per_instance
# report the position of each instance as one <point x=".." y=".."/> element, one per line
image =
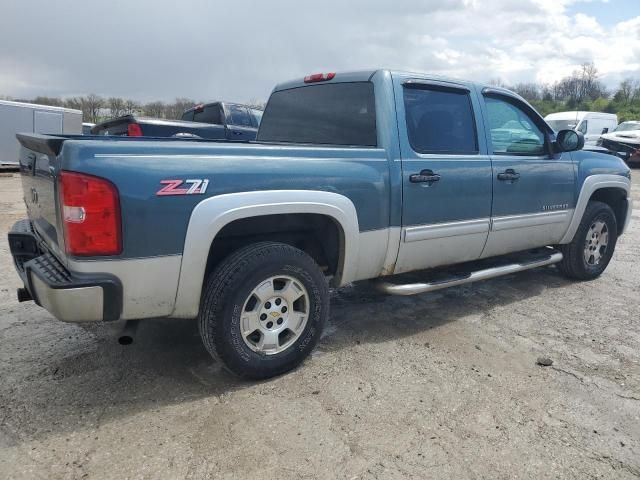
<point x="212" y="214"/>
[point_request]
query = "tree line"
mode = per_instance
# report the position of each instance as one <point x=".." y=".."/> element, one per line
<point x="582" y="90"/>
<point x="96" y="108"/>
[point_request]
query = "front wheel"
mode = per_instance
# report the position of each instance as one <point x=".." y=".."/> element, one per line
<point x="263" y="309"/>
<point x="591" y="249"/>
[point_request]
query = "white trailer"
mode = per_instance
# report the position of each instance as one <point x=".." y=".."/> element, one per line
<point x="18" y="117"/>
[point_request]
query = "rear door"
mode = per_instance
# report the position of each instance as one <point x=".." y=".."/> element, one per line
<point x="533" y="190"/>
<point x="446" y="174"/>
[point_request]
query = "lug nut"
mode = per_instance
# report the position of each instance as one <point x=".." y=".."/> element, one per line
<point x="269" y="324"/>
<point x="263" y="316"/>
<point x="278" y="301"/>
<point x="280" y="321"/>
<point x="284" y="309"/>
<point x="267" y="305"/>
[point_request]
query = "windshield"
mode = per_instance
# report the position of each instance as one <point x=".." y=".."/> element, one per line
<point x="558" y="125"/>
<point x="626" y="126"/>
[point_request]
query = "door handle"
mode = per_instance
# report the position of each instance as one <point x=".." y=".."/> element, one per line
<point x="425" y="176"/>
<point x="509" y="174"/>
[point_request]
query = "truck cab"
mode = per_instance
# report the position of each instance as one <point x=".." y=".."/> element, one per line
<point x="242" y="120"/>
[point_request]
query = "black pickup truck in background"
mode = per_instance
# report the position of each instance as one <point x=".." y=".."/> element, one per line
<point x="213" y="121"/>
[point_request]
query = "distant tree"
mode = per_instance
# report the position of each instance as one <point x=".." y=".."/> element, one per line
<point x="176" y="109"/>
<point x="116" y="106"/>
<point x="528" y="91"/>
<point x="131" y="107"/>
<point x="51" y="101"/>
<point x="91" y="105"/>
<point x="73" y="102"/>
<point x="498" y="82"/>
<point x="628" y="91"/>
<point x="154" y="109"/>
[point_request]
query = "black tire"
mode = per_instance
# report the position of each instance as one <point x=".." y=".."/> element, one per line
<point x="574" y="265"/>
<point x="230" y="285"/>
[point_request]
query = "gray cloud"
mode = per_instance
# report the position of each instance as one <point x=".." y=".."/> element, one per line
<point x="146" y="49"/>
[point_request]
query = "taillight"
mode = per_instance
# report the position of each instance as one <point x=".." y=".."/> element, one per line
<point x="319" y="77"/>
<point x="90" y="214"/>
<point x="134" y="130"/>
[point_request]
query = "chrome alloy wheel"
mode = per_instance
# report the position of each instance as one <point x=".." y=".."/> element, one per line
<point x="274" y="315"/>
<point x="595" y="245"/>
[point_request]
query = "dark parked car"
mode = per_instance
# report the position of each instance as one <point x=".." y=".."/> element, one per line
<point x="212" y="121"/>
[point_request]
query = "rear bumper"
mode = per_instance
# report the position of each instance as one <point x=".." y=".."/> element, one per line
<point x="69" y="296"/>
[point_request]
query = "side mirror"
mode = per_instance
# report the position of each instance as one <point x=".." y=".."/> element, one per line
<point x="605" y="130"/>
<point x="569" y="141"/>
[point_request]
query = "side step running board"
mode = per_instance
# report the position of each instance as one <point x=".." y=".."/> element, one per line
<point x="485" y="274"/>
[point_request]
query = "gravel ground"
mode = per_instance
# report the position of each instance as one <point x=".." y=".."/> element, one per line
<point x="442" y="385"/>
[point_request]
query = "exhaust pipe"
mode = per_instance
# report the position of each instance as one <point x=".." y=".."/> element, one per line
<point x="128" y="332"/>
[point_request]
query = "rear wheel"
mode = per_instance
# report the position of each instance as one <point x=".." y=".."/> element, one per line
<point x="263" y="309"/>
<point x="591" y="249"/>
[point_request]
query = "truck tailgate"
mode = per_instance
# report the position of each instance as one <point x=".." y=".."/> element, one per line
<point x="38" y="157"/>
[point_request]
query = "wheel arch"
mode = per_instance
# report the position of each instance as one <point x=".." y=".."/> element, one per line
<point x="212" y="215"/>
<point x="611" y="189"/>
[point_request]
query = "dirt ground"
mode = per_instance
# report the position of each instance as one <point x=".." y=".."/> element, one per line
<point x="442" y="385"/>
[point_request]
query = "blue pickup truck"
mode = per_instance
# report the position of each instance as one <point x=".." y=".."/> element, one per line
<point x="354" y="176"/>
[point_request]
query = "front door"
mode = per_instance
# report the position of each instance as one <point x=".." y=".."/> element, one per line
<point x="533" y="190"/>
<point x="446" y="174"/>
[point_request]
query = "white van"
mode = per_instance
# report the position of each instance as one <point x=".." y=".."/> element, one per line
<point x="18" y="117"/>
<point x="591" y="124"/>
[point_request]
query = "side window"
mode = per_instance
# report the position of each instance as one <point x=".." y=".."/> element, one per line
<point x="583" y="127"/>
<point x="208" y="114"/>
<point x="188" y="116"/>
<point x="513" y="132"/>
<point x="237" y="115"/>
<point x="440" y="120"/>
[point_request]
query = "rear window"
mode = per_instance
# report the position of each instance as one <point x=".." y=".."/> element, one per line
<point x="440" y="120"/>
<point x="209" y="114"/>
<point x="330" y="114"/>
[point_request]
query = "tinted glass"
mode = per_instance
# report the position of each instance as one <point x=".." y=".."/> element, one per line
<point x="257" y="116"/>
<point x="440" y="121"/>
<point x="332" y="114"/>
<point x="512" y="131"/>
<point x="238" y="116"/>
<point x="188" y="116"/>
<point x="210" y="114"/>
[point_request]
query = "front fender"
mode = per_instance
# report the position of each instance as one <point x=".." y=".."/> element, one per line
<point x="590" y="185"/>
<point x="212" y="214"/>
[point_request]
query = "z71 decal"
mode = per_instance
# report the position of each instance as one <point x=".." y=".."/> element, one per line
<point x="194" y="186"/>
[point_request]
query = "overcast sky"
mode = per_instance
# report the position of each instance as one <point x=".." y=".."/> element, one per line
<point x="238" y="50"/>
